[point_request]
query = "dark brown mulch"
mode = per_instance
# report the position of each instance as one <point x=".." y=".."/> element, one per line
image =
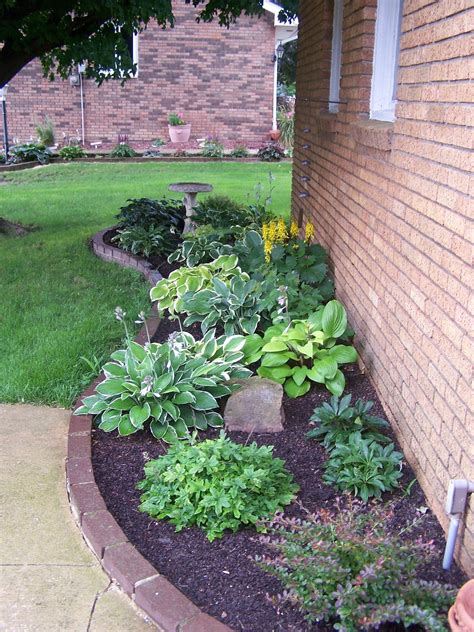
<point x="221" y="577"/>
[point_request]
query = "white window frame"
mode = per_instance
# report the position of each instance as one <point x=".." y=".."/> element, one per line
<point x="385" y="64"/>
<point x="336" y="56"/>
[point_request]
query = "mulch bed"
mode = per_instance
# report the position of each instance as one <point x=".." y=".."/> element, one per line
<point x="221" y="577"/>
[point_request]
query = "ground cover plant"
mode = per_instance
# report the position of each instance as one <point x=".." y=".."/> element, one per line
<point x="28" y="152"/>
<point x="71" y="152"/>
<point x="216" y="485"/>
<point x="63" y="315"/>
<point x="123" y="150"/>
<point x="351" y="570"/>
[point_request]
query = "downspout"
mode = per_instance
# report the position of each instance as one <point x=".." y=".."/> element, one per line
<point x="456" y="502"/>
<point x="80" y="69"/>
<point x="275" y="88"/>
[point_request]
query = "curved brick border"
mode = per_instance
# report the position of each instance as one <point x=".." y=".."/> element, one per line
<point x="164" y="604"/>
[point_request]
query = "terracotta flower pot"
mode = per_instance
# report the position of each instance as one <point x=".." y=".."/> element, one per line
<point x="179" y="133"/>
<point x="275" y="134"/>
<point x="461" y="614"/>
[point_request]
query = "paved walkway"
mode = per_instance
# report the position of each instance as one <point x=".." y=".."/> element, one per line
<point x="49" y="580"/>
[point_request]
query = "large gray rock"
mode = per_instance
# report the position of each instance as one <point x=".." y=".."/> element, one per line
<point x="255" y="407"/>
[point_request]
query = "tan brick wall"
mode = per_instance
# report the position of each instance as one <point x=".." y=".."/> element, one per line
<point x="392" y="203"/>
<point x="222" y="80"/>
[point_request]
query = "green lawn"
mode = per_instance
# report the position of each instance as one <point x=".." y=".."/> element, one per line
<point x="56" y="298"/>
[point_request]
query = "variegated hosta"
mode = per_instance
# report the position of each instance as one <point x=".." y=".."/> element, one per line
<point x="169" y="292"/>
<point x="172" y="386"/>
<point x="304" y="351"/>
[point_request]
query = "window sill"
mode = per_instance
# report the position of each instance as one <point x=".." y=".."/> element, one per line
<point x="373" y="134"/>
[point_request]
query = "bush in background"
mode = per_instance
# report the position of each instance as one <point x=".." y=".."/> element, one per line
<point x="71" y="153"/>
<point x="271" y="152"/>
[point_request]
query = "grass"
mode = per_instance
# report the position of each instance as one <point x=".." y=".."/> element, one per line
<point x="57" y="299"/>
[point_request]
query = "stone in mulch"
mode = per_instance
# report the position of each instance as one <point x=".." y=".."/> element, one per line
<point x="256" y="407"/>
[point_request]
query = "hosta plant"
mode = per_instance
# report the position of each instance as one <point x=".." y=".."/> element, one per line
<point x="363" y="467"/>
<point x="216" y="485"/>
<point x="172" y="387"/>
<point x="123" y="150"/>
<point x="169" y="292"/>
<point x="352" y="571"/>
<point x="29" y="152"/>
<point x="236" y="305"/>
<point x="336" y="420"/>
<point x="147" y="241"/>
<point x="304" y="351"/>
<point x="200" y="248"/>
<point x="71" y="152"/>
<point x="147" y="212"/>
<point x="220" y="211"/>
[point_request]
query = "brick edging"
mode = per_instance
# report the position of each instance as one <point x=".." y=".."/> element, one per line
<point x="162" y="602"/>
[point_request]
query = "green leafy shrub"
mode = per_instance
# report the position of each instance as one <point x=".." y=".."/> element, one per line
<point x="336" y="420"/>
<point x="122" y="150"/>
<point x="146" y="212"/>
<point x="271" y="152"/>
<point x="348" y="570"/>
<point x="45" y="132"/>
<point x="169" y="292"/>
<point x="173" y="386"/>
<point x="235" y="305"/>
<point x="216" y="485"/>
<point x="363" y="467"/>
<point x="220" y="212"/>
<point x="29" y="152"/>
<point x="240" y="151"/>
<point x="147" y="241"/>
<point x="213" y="149"/>
<point x="305" y="351"/>
<point x="72" y="152"/>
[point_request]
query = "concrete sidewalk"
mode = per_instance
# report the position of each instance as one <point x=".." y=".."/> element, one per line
<point x="49" y="580"/>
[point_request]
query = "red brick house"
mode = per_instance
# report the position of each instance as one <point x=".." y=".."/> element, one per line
<point x="382" y="165"/>
<point x="221" y="79"/>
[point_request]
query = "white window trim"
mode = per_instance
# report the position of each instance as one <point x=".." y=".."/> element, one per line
<point x="385" y="64"/>
<point x="336" y="56"/>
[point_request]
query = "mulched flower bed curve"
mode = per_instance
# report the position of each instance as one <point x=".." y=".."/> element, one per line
<point x="221" y="577"/>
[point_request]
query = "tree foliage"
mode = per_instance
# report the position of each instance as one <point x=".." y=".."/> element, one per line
<point x="64" y="33"/>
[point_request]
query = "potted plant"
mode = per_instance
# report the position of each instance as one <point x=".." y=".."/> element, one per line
<point x="178" y="129"/>
<point x="275" y="134"/>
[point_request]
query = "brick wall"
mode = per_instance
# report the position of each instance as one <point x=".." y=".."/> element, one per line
<point x="392" y="204"/>
<point x="222" y="80"/>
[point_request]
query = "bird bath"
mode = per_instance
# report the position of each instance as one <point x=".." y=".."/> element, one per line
<point x="190" y="190"/>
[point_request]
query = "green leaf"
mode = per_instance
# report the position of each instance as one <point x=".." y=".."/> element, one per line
<point x="110" y="420"/>
<point x="294" y="390"/>
<point x="326" y="368"/>
<point x="170" y="435"/>
<point x="299" y="374"/>
<point x="137" y="351"/>
<point x="114" y="370"/>
<point x="162" y="382"/>
<point x="171" y="409"/>
<point x="234" y="343"/>
<point x="337" y="384"/>
<point x="204" y="401"/>
<point x="184" y="398"/>
<point x="139" y="414"/>
<point x="343" y="354"/>
<point x="122" y="404"/>
<point x="126" y="427"/>
<point x="334" y="320"/>
<point x="156" y="410"/>
<point x="275" y="345"/>
<point x="110" y="387"/>
<point x="180" y="428"/>
<point x="274" y="359"/>
<point x="158" y="430"/>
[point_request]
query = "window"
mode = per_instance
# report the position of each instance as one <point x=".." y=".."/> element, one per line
<point x="384" y="73"/>
<point x="336" y="54"/>
<point x="131" y="41"/>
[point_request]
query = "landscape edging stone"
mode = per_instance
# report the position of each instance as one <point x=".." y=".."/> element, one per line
<point x="168" y="608"/>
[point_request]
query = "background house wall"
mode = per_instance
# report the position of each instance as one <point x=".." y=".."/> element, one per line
<point x="222" y="81"/>
<point x="392" y="202"/>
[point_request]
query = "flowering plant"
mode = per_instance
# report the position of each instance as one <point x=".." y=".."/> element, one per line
<point x="176" y="119"/>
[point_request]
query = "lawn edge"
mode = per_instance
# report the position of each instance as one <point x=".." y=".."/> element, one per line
<point x="159" y="599"/>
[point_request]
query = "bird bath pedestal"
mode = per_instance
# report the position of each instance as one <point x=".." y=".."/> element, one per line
<point x="190" y="190"/>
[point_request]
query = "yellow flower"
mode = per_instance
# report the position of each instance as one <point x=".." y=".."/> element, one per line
<point x="294" y="229"/>
<point x="308" y="232"/>
<point x="281" y="231"/>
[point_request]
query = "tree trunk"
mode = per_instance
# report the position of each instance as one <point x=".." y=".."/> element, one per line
<point x="11" y="229"/>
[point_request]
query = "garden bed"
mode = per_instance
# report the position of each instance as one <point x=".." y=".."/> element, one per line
<point x="221" y="577"/>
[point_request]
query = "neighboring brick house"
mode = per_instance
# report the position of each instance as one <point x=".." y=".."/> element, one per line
<point x="383" y="171"/>
<point x="221" y="79"/>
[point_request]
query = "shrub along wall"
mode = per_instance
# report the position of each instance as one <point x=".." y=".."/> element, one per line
<point x="391" y="202"/>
